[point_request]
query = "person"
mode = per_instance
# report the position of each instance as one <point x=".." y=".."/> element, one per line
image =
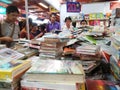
<point x="9" y="30"/>
<point x="68" y="24"/>
<point x="67" y="28"/>
<point x="83" y="23"/>
<point x="23" y="32"/>
<point x="42" y="31"/>
<point x="53" y="25"/>
<point x="33" y="31"/>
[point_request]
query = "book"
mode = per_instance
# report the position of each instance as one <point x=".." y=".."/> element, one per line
<point x="8" y="54"/>
<point x="90" y="39"/>
<point x="56" y="71"/>
<point x="12" y="69"/>
<point x="96" y="57"/>
<point x="10" y="85"/>
<point x="90" y="50"/>
<point x="32" y="85"/>
<point x="100" y="85"/>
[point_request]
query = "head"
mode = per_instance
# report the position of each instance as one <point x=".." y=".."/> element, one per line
<point x="74" y="24"/>
<point x="42" y="27"/>
<point x="53" y="17"/>
<point x="68" y="20"/>
<point x="83" y="23"/>
<point x="34" y="27"/>
<point x="12" y="13"/>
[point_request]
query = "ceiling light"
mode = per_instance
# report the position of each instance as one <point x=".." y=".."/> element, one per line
<point x="43" y="5"/>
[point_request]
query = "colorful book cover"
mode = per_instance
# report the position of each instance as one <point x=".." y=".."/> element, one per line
<point x="100" y="16"/>
<point x="90" y="39"/>
<point x="56" y="67"/>
<point x="13" y="68"/>
<point x="92" y="16"/>
<point x="100" y="85"/>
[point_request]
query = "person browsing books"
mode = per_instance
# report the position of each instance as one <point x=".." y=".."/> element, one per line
<point x="83" y="23"/>
<point x="68" y="24"/>
<point x="9" y="30"/>
<point x="53" y="24"/>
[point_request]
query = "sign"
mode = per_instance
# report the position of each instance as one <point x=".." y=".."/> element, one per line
<point x="73" y="7"/>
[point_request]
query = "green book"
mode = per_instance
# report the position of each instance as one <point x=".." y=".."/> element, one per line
<point x="90" y="39"/>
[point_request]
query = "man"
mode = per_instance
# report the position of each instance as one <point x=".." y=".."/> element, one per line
<point x="9" y="30"/>
<point x="53" y="25"/>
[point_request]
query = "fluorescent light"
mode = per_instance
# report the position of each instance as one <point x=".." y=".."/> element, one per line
<point x="43" y="5"/>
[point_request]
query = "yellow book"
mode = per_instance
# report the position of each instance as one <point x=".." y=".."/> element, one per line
<point x="14" y="68"/>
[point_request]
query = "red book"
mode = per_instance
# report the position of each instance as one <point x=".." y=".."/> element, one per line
<point x="100" y="85"/>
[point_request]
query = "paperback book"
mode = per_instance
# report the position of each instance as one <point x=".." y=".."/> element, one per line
<point x="14" y="68"/>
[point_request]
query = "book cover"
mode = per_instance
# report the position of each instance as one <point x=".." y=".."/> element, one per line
<point x="100" y="85"/>
<point x="13" y="68"/>
<point x="90" y="39"/>
<point x="10" y="54"/>
<point x="56" y="71"/>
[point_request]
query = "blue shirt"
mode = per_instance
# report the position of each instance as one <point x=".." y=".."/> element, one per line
<point x="53" y="26"/>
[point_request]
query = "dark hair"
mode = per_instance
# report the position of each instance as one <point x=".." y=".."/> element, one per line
<point x="11" y="9"/>
<point x="74" y="24"/>
<point x="68" y="18"/>
<point x="83" y="21"/>
<point x="42" y="27"/>
<point x="34" y="24"/>
<point x="53" y="14"/>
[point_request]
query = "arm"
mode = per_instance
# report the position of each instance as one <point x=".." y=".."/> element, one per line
<point x="7" y="39"/>
<point x="39" y="35"/>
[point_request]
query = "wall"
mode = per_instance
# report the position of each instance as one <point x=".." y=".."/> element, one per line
<point x="86" y="9"/>
<point x="96" y="7"/>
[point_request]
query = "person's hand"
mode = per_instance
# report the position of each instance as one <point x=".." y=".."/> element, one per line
<point x="7" y="39"/>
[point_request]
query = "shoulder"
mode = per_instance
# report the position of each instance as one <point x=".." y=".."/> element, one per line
<point x="57" y="22"/>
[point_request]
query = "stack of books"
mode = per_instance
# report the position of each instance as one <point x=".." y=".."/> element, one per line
<point x="54" y="75"/>
<point x="51" y="48"/>
<point x="88" y="52"/>
<point x="11" y="72"/>
<point x="115" y="58"/>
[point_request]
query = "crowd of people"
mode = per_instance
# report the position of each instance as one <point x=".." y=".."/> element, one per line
<point x="9" y="30"/>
